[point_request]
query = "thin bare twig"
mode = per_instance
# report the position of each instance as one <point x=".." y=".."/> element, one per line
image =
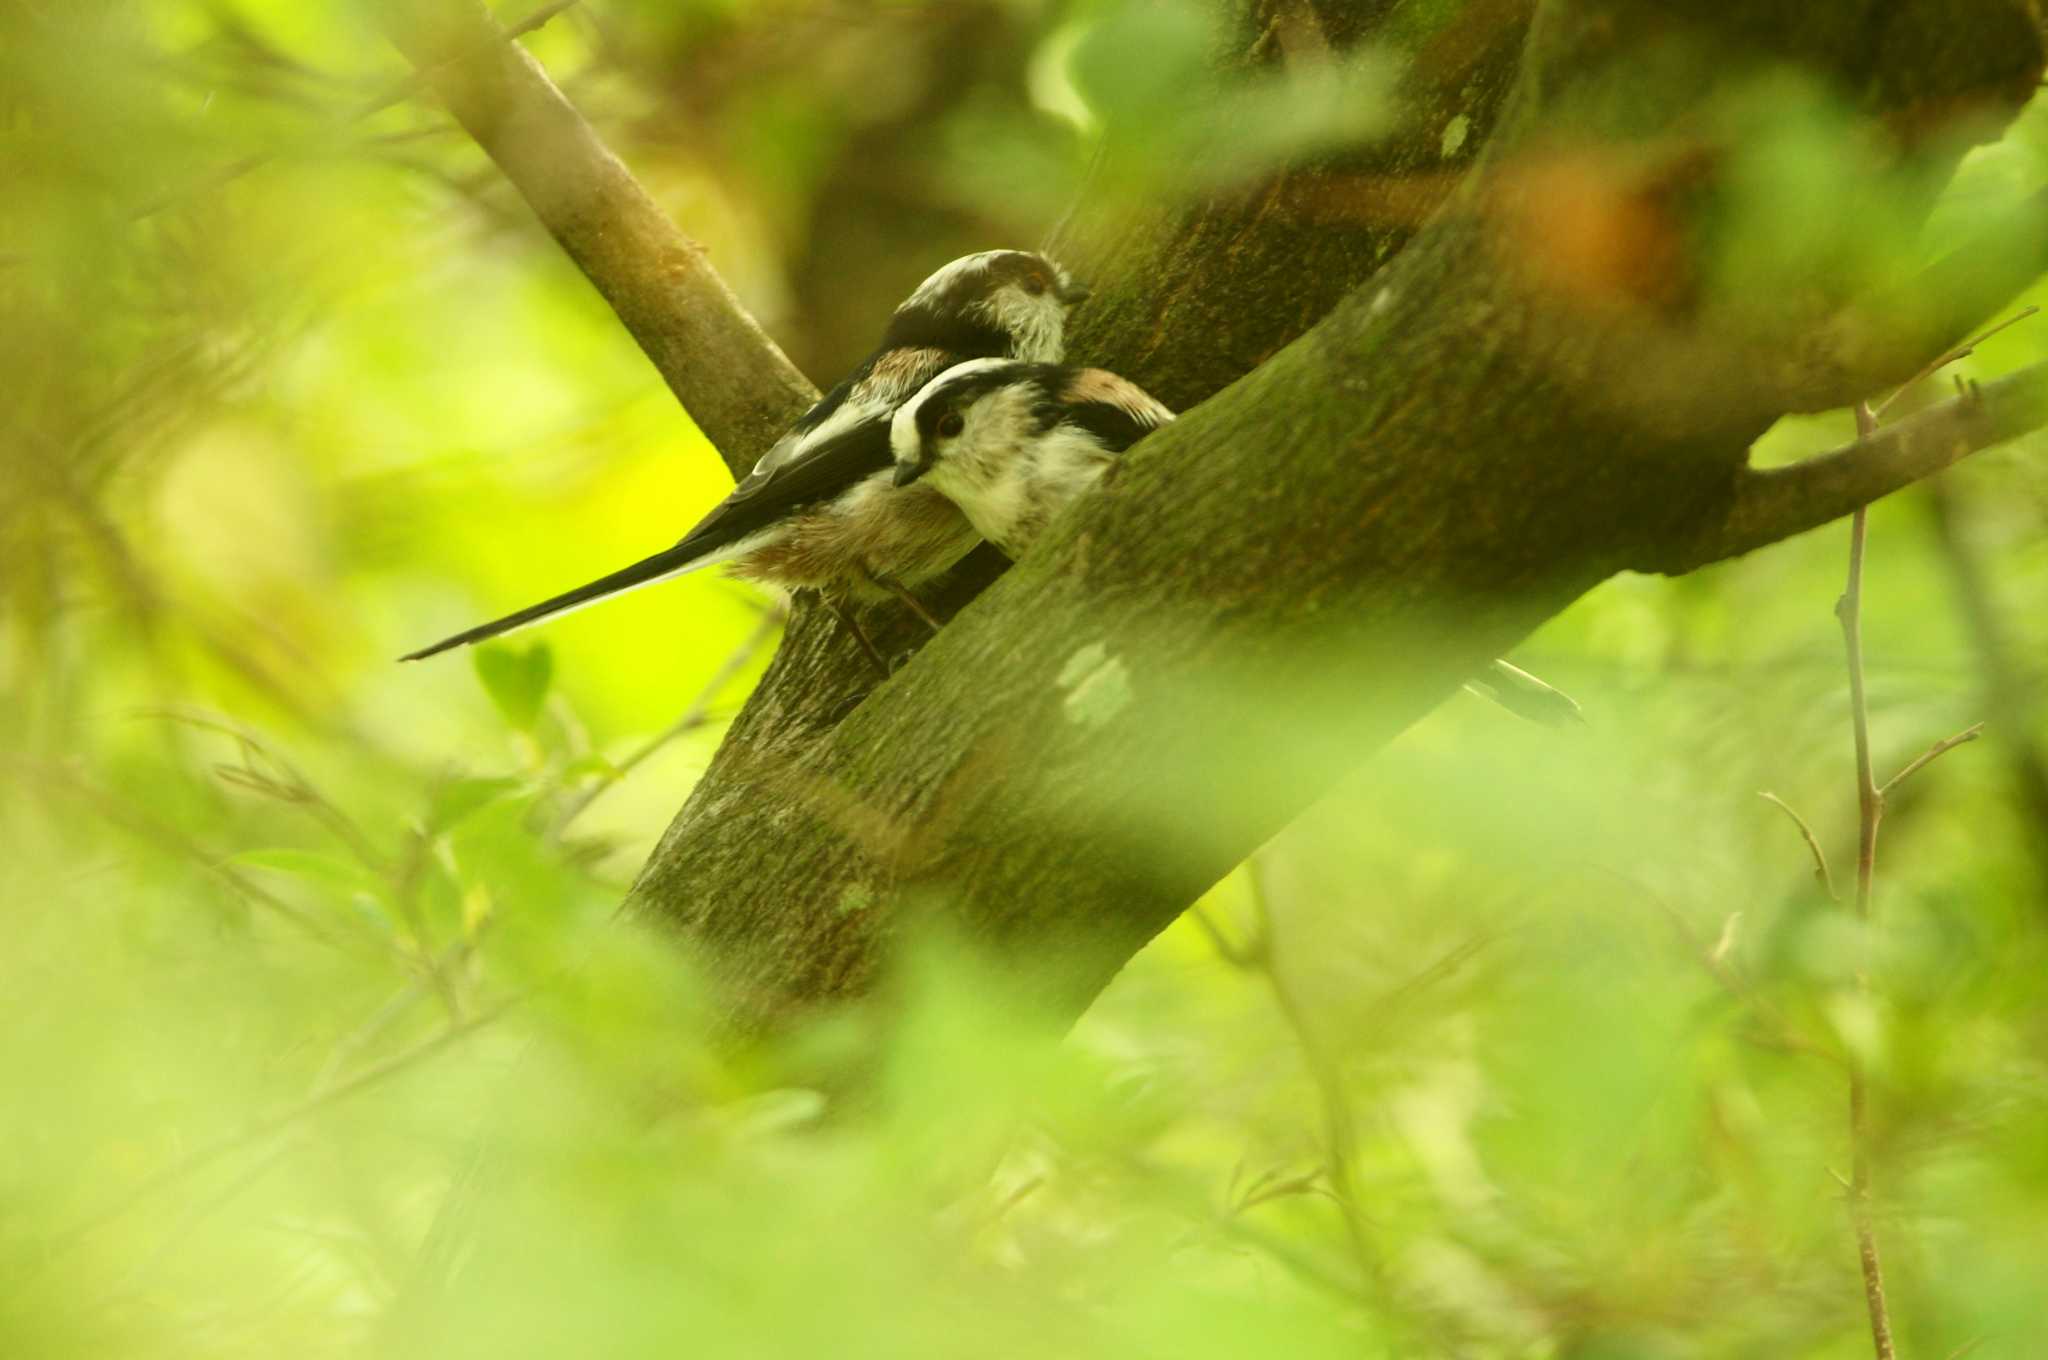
<point x="1870" y="811"/>
<point x="266" y="772"/>
<point x="1718" y="962"/>
<point x="1870" y="803"/>
<point x="397" y="92"/>
<point x="1271" y="1188"/>
<point x="317" y="1100"/>
<point x="1249" y="956"/>
<point x="1820" y="858"/>
<point x="692" y="717"/>
<point x="1340" y="1127"/>
<point x="1930" y="755"/>
<point x="1941" y="361"/>
<point x="146" y="826"/>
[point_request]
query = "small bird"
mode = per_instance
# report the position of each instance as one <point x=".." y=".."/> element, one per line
<point x="1014" y="443"/>
<point x="818" y="510"/>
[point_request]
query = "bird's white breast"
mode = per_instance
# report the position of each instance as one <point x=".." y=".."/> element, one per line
<point x="1009" y="482"/>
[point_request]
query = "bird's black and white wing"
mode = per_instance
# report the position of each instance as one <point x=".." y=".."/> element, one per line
<point x="836" y="443"/>
<point x="872" y="392"/>
<point x="839" y="441"/>
<point x="1115" y="410"/>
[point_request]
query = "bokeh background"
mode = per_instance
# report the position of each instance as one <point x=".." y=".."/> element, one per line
<point x="1524" y="1043"/>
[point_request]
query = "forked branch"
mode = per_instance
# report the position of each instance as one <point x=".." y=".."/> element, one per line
<point x="737" y="385"/>
<point x="1770" y="504"/>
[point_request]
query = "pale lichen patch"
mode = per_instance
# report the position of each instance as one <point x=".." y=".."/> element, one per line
<point x="1455" y="133"/>
<point x="1097" y="686"/>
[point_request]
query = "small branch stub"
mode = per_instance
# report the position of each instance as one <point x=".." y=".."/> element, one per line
<point x="1820" y="858"/>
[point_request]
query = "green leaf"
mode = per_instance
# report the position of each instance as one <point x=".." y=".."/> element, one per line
<point x="458" y="798"/>
<point x="333" y="871"/>
<point x="516" y="681"/>
<point x="592" y="764"/>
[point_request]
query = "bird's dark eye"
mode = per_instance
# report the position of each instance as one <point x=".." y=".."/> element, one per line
<point x="950" y="424"/>
<point x="1034" y="284"/>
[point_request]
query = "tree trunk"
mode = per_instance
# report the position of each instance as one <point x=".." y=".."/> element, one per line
<point x="1490" y="425"/>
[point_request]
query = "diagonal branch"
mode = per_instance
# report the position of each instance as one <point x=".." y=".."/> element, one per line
<point x="396" y="92"/>
<point x="1775" y="503"/>
<point x="1198" y="652"/>
<point x="1201" y="650"/>
<point x="737" y="385"/>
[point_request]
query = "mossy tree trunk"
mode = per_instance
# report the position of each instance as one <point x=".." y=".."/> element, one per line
<point x="1414" y="437"/>
<point x="1538" y="390"/>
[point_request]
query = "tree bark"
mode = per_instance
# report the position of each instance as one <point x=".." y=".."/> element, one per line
<point x="1282" y="580"/>
<point x="1412" y="447"/>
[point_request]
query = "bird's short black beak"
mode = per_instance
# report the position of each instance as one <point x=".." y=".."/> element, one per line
<point x="906" y="473"/>
<point x="1074" y="294"/>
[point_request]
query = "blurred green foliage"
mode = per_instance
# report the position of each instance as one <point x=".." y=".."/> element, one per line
<point x="297" y="938"/>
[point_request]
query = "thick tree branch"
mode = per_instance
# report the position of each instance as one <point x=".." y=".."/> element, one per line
<point x="1771" y="504"/>
<point x="1297" y="568"/>
<point x="732" y="379"/>
<point x="1191" y="295"/>
<point x="1255" y="602"/>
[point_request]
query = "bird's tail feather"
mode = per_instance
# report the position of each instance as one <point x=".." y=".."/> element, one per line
<point x="1523" y="695"/>
<point x="676" y="561"/>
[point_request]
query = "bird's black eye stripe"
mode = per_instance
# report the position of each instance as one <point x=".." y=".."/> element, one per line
<point x="939" y="415"/>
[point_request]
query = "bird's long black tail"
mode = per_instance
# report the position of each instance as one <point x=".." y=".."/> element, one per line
<point x="1523" y="695"/>
<point x="670" y="562"/>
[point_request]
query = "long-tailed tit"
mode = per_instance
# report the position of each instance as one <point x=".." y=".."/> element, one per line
<point x="1013" y="444"/>
<point x="819" y="510"/>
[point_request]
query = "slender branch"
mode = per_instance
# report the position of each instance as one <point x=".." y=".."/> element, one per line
<point x="1719" y="965"/>
<point x="1870" y="811"/>
<point x="1248" y="956"/>
<point x="1960" y="352"/>
<point x="394" y="93"/>
<point x="1771" y="504"/>
<point x="692" y="717"/>
<point x="1269" y="1189"/>
<point x="319" y="1099"/>
<point x="1820" y="859"/>
<point x="738" y="387"/>
<point x="166" y="837"/>
<point x="1339" y="1125"/>
<point x="1930" y="755"/>
<point x="1870" y="805"/>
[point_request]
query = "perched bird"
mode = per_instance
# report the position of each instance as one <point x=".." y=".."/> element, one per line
<point x="818" y="510"/>
<point x="1014" y="443"/>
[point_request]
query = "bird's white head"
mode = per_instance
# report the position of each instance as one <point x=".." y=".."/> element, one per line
<point x="1004" y="303"/>
<point x="960" y="409"/>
